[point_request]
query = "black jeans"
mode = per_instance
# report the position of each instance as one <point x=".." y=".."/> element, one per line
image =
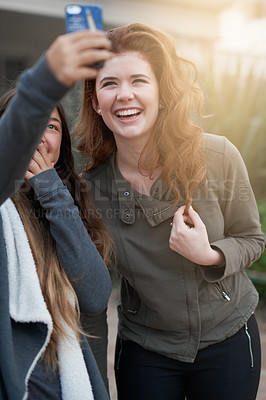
<point x="229" y="370"/>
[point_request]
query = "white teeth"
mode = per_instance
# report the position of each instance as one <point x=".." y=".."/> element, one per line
<point x="123" y="113"/>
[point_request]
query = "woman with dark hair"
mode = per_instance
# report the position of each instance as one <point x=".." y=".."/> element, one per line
<point x="41" y="339"/>
<point x="186" y="315"/>
<point x="56" y="250"/>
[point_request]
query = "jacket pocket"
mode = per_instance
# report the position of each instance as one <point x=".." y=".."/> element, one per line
<point x="129" y="298"/>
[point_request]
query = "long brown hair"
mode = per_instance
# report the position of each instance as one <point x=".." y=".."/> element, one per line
<point x="178" y="140"/>
<point x="51" y="274"/>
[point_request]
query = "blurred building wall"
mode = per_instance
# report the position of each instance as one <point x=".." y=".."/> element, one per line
<point x="27" y="28"/>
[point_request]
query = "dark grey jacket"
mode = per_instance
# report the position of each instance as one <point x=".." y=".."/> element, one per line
<point x="20" y="130"/>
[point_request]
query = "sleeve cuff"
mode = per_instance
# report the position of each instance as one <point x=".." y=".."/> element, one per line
<point x="214" y="273"/>
<point x="46" y="182"/>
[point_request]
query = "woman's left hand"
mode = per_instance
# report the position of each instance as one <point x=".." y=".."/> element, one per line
<point x="40" y="162"/>
<point x="191" y="241"/>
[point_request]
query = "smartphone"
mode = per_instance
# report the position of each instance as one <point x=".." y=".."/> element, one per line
<point x="79" y="17"/>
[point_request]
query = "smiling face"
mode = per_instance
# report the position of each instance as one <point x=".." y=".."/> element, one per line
<point x="128" y="97"/>
<point x="52" y="136"/>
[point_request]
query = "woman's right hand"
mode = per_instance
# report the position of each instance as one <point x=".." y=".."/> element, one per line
<point x="189" y="238"/>
<point x="40" y="162"/>
<point x="70" y="55"/>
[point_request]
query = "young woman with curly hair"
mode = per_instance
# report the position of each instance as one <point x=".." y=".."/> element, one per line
<point x="172" y="197"/>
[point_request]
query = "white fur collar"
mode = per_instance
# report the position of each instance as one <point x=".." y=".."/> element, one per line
<point x="26" y="304"/>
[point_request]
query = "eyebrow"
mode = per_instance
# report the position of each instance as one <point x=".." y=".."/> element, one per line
<point x="131" y="76"/>
<point x="55" y="119"/>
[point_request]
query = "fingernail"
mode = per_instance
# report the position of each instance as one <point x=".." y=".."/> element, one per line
<point x="191" y="208"/>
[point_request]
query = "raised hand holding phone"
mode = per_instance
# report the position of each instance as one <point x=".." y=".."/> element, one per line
<point x="71" y="56"/>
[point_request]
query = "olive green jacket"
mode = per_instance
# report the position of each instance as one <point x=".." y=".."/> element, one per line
<point x="169" y="304"/>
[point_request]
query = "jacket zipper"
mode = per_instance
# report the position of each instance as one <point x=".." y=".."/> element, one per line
<point x="132" y="311"/>
<point x="250" y="345"/>
<point x="225" y="295"/>
<point x="221" y="290"/>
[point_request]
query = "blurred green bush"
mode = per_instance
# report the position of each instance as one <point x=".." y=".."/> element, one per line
<point x="236" y="103"/>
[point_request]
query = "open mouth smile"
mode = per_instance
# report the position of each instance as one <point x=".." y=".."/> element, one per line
<point x="128" y="114"/>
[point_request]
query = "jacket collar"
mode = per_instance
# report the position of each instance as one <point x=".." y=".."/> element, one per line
<point x="157" y="207"/>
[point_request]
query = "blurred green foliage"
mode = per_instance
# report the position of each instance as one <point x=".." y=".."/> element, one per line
<point x="236" y="103"/>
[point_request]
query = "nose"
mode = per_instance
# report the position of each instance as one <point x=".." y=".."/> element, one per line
<point x="125" y="93"/>
<point x="44" y="141"/>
